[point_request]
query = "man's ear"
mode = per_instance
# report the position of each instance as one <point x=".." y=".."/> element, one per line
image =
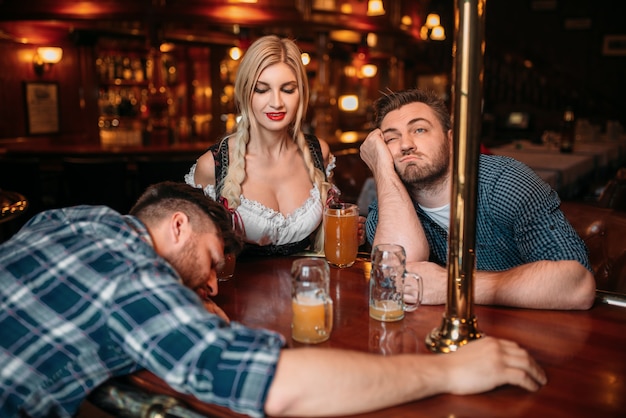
<point x="170" y="234"/>
<point x="179" y="228"/>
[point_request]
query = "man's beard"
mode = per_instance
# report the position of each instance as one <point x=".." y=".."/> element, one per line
<point x="186" y="264"/>
<point x="428" y="176"/>
<point x="422" y="178"/>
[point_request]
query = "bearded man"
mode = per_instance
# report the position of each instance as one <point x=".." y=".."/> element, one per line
<point x="527" y="253"/>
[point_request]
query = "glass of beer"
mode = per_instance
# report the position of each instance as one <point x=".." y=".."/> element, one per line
<point x="228" y="270"/>
<point x="312" y="319"/>
<point x="341" y="230"/>
<point x="393" y="290"/>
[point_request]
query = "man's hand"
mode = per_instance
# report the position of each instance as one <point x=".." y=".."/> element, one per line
<point x="209" y="305"/>
<point x="361" y="230"/>
<point x="214" y="309"/>
<point x="487" y="363"/>
<point x="375" y="153"/>
<point x="434" y="281"/>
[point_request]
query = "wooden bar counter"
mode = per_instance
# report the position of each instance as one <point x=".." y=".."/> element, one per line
<point x="56" y="173"/>
<point x="583" y="352"/>
<point x="51" y="148"/>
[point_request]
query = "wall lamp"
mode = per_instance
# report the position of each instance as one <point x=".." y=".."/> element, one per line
<point x="349" y="102"/>
<point x="375" y="8"/>
<point x="433" y="29"/>
<point x="45" y="58"/>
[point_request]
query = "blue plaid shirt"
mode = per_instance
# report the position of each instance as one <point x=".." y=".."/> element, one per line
<point x="518" y="220"/>
<point x="84" y="297"/>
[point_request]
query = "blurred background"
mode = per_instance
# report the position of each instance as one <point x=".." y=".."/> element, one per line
<point x="98" y="99"/>
<point x="161" y="71"/>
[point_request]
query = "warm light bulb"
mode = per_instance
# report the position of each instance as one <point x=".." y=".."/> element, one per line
<point x="235" y="53"/>
<point x="372" y="40"/>
<point x="348" y="102"/>
<point x="166" y="47"/>
<point x="306" y="58"/>
<point x="438" y="33"/>
<point x="349" y="71"/>
<point x="349" y="137"/>
<point x="432" y="20"/>
<point x="369" y="70"/>
<point x="375" y="8"/>
<point x="50" y="55"/>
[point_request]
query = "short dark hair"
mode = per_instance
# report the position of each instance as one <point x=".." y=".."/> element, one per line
<point x="160" y="199"/>
<point x="394" y="100"/>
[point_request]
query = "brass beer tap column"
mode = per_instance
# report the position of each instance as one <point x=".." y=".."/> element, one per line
<point x="459" y="324"/>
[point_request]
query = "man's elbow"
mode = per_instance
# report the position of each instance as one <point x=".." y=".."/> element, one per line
<point x="584" y="293"/>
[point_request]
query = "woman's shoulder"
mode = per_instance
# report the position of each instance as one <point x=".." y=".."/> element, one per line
<point x="325" y="147"/>
<point x="312" y="139"/>
<point x="210" y="165"/>
<point x="318" y="146"/>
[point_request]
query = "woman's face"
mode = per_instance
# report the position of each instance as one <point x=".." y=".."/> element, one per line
<point x="275" y="98"/>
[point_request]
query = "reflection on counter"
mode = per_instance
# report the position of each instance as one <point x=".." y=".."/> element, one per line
<point x="12" y="205"/>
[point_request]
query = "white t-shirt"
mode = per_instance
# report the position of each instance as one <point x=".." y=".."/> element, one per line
<point x="440" y="215"/>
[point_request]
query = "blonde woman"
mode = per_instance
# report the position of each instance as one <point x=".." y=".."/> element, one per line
<point x="268" y="173"/>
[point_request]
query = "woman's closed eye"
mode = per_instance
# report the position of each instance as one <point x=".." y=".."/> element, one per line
<point x="287" y="89"/>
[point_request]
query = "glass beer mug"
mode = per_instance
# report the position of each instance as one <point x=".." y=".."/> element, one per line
<point x="390" y="283"/>
<point x="312" y="319"/>
<point x="341" y="234"/>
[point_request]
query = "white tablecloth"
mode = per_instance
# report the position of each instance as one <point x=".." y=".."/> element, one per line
<point x="606" y="154"/>
<point x="571" y="169"/>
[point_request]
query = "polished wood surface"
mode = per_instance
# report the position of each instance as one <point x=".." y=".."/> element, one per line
<point x="46" y="147"/>
<point x="583" y="352"/>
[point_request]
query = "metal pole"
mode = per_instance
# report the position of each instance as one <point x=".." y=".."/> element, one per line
<point x="459" y="324"/>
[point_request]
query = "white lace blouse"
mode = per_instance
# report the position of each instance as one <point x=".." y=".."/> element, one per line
<point x="265" y="226"/>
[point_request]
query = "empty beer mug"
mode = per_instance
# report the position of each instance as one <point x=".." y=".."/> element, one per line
<point x="393" y="290"/>
<point x="312" y="319"/>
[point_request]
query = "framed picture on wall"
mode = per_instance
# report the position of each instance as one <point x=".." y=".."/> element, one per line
<point x="614" y="45"/>
<point x="42" y="107"/>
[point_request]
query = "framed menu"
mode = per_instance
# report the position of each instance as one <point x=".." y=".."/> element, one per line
<point x="42" y="107"/>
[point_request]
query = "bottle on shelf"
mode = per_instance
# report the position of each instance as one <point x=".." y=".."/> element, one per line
<point x="568" y="131"/>
<point x="123" y="90"/>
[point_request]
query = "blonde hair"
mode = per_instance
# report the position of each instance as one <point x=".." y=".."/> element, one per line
<point x="264" y="52"/>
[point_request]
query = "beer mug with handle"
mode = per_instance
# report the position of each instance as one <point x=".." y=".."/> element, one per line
<point x="393" y="290"/>
<point x="312" y="319"/>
